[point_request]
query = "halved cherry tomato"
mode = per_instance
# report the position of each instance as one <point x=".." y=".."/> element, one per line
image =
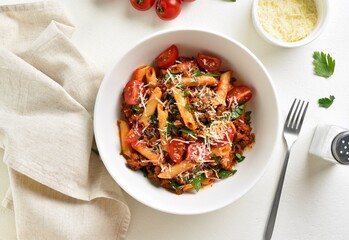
<point x="134" y="134"/>
<point x="209" y="63"/>
<point x="227" y="138"/>
<point x="176" y="148"/>
<point x="168" y="9"/>
<point x="198" y="151"/>
<point x="142" y="5"/>
<point x="132" y="91"/>
<point x="239" y="94"/>
<point x="167" y="57"/>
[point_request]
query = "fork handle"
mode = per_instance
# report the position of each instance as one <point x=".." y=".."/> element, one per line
<point x="275" y="206"/>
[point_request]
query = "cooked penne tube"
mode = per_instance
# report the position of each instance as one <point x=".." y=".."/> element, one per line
<point x="147" y="152"/>
<point x="124" y="130"/>
<point x="221" y="151"/>
<point x="182" y="105"/>
<point x="150" y="107"/>
<point x="223" y="88"/>
<point x="139" y="73"/>
<point x="174" y="170"/>
<point x="162" y="117"/>
<point x="150" y="76"/>
<point x="200" y="81"/>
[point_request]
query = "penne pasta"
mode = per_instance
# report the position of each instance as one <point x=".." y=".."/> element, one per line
<point x="150" y="107"/>
<point x="124" y="129"/>
<point x="174" y="170"/>
<point x="150" y="76"/>
<point x="162" y="117"/>
<point x="200" y="81"/>
<point x="140" y="72"/>
<point x="223" y="88"/>
<point x="182" y="105"/>
<point x="147" y="152"/>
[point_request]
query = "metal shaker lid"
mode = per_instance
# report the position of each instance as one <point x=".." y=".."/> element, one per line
<point x="340" y="148"/>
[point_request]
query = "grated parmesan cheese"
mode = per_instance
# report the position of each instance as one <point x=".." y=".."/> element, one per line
<point x="288" y="20"/>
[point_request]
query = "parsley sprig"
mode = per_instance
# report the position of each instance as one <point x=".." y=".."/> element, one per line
<point x="326" y="102"/>
<point x="324" y="64"/>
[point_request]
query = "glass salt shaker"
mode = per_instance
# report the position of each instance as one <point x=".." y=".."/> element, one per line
<point x="331" y="143"/>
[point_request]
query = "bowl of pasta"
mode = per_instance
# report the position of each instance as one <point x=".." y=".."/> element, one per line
<point x="186" y="121"/>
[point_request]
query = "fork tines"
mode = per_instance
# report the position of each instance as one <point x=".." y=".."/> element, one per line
<point x="296" y="116"/>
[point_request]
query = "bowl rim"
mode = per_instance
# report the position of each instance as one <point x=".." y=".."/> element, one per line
<point x="277" y="115"/>
<point x="319" y="28"/>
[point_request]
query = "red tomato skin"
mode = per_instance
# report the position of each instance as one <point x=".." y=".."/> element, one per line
<point x="168" y="9"/>
<point x="134" y="134"/>
<point x="176" y="148"/>
<point x="167" y="57"/>
<point x="209" y="63"/>
<point x="132" y="91"/>
<point x="241" y="93"/>
<point x="192" y="151"/>
<point x="230" y="138"/>
<point x="142" y="5"/>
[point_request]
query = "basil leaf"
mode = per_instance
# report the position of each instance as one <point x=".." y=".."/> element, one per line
<point x="196" y="73"/>
<point x="212" y="74"/>
<point x="226" y="173"/>
<point x="175" y="185"/>
<point x="136" y="109"/>
<point x="187" y="131"/>
<point x="239" y="157"/>
<point x="153" y="119"/>
<point x="196" y="182"/>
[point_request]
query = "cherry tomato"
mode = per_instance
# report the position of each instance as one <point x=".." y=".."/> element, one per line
<point x="209" y="63"/>
<point x="176" y="148"/>
<point x="198" y="151"/>
<point x="167" y="57"/>
<point x="168" y="9"/>
<point x="142" y="5"/>
<point x="228" y="137"/>
<point x="239" y="94"/>
<point x="132" y="91"/>
<point x="134" y="134"/>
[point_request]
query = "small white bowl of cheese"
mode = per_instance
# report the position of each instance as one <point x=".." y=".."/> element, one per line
<point x="290" y="23"/>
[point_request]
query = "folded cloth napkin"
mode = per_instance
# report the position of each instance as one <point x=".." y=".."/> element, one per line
<point x="59" y="188"/>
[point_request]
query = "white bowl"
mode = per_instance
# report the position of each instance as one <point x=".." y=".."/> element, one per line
<point x="322" y="7"/>
<point x="265" y="121"/>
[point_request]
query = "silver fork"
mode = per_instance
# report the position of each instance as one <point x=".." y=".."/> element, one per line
<point x="292" y="127"/>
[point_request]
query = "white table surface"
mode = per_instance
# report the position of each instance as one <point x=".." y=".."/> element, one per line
<point x="315" y="200"/>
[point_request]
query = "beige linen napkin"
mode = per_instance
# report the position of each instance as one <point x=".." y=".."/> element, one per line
<point x="59" y="188"/>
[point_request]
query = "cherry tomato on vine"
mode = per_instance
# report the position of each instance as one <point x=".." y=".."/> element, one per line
<point x="132" y="91"/>
<point x="176" y="149"/>
<point x="241" y="94"/>
<point x="168" y="9"/>
<point x="209" y="63"/>
<point x="142" y="5"/>
<point x="167" y="57"/>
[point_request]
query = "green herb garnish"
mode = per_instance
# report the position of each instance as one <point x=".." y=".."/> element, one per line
<point x="216" y="158"/>
<point x="187" y="131"/>
<point x="323" y="64"/>
<point x="326" y="102"/>
<point x="196" y="73"/>
<point x="196" y="182"/>
<point x="239" y="157"/>
<point x="136" y="109"/>
<point x="184" y="93"/>
<point x="175" y="185"/>
<point x="212" y="74"/>
<point x="153" y="119"/>
<point x="187" y="106"/>
<point x="226" y="173"/>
